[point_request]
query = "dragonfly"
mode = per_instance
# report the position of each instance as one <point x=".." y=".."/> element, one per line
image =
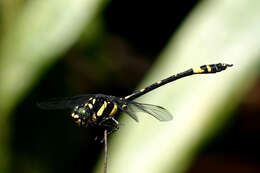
<point x="100" y="110"/>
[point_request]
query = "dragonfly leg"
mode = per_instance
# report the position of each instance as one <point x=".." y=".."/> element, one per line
<point x="110" y="123"/>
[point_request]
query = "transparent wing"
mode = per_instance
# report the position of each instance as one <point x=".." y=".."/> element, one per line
<point x="64" y="103"/>
<point x="158" y="112"/>
<point x="131" y="113"/>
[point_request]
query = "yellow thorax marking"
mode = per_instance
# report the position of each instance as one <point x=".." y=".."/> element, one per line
<point x="124" y="106"/>
<point x="101" y="110"/>
<point x="114" y="110"/>
<point x="94" y="101"/>
<point x="208" y="68"/>
<point x="90" y="106"/>
<point x="198" y="70"/>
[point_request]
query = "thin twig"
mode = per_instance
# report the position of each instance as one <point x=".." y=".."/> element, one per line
<point x="105" y="151"/>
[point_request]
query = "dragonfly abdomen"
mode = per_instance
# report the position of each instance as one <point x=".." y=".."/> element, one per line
<point x="204" y="69"/>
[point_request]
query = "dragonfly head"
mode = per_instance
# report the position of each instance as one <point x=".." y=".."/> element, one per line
<point x="81" y="115"/>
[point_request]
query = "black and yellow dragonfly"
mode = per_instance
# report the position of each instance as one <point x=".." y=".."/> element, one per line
<point x="99" y="110"/>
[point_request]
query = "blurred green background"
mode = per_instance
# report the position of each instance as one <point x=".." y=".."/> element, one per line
<point x="59" y="48"/>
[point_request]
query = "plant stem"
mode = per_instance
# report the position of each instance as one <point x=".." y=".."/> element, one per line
<point x="105" y="150"/>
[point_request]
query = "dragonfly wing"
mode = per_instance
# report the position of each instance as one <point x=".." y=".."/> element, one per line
<point x="131" y="114"/>
<point x="63" y="103"/>
<point x="158" y="112"/>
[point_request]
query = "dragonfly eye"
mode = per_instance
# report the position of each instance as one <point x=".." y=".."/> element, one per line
<point x="81" y="115"/>
<point x="82" y="111"/>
